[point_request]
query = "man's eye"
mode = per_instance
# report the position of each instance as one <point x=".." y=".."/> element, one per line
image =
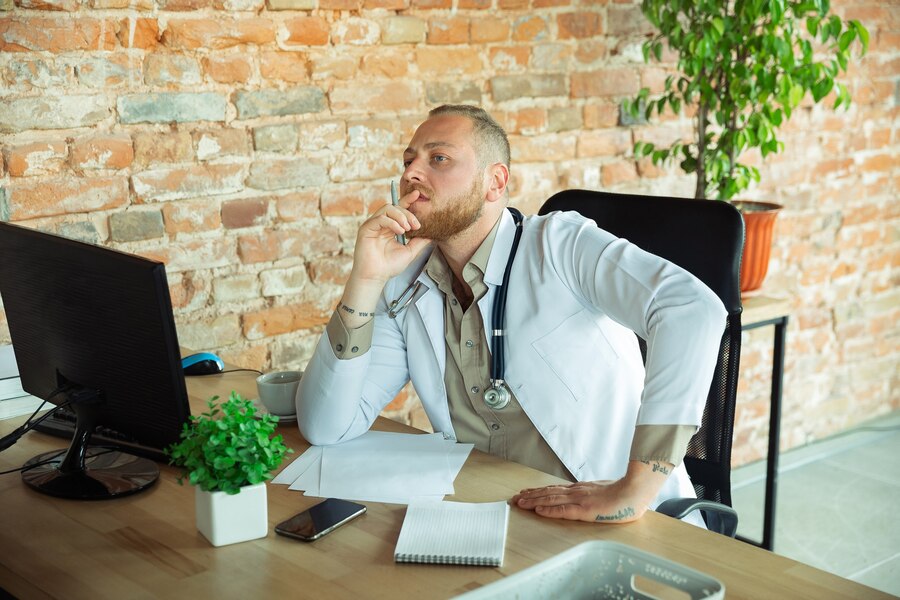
<point x="439" y="158"/>
<point x="406" y="164"/>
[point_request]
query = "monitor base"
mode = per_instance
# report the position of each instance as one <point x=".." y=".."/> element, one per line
<point x="106" y="474"/>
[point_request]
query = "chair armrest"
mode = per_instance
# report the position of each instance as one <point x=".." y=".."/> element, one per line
<point x="719" y="517"/>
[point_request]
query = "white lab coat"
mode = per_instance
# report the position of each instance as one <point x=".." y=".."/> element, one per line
<point x="576" y="295"/>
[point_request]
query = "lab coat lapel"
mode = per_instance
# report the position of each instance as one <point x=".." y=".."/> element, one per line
<point x="431" y="309"/>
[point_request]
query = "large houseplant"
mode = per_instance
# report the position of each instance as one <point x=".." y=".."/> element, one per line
<point x="228" y="453"/>
<point x="743" y="66"/>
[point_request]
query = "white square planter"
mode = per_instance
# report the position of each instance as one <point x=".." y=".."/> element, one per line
<point x="227" y="519"/>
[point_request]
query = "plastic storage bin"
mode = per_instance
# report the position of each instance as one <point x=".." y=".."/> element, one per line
<point x="603" y="570"/>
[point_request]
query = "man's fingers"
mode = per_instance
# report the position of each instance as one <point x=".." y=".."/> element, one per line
<point x="572" y="512"/>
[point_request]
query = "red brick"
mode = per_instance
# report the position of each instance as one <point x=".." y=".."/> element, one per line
<point x="588" y="52"/>
<point x="601" y="115"/>
<point x="352" y="199"/>
<point x="282" y="319"/>
<point x="48" y="197"/>
<point x="579" y="25"/>
<point x="191" y="216"/>
<point x="494" y="29"/>
<point x="527" y="121"/>
<point x="475" y="4"/>
<point x="618" y="172"/>
<point x="228" y="69"/>
<point x="292" y="67"/>
<point x="356" y="32"/>
<point x="252" y="357"/>
<point x="386" y="4"/>
<point x="339" y="4"/>
<point x="307" y="31"/>
<point x="606" y="82"/>
<point x="385" y="64"/>
<point x="153" y="148"/>
<point x="193" y="255"/>
<point x="61" y="5"/>
<point x="512" y="4"/>
<point x="431" y="3"/>
<point x="326" y="66"/>
<point x="138" y="32"/>
<point x="274" y="245"/>
<point x="542" y="148"/>
<point x="102" y="151"/>
<point x="609" y="142"/>
<point x="879" y="162"/>
<point x="56" y="34"/>
<point x="331" y="269"/>
<point x="244" y="213"/>
<point x="192" y="34"/>
<point x="510" y="58"/>
<point x="443" y="61"/>
<point x="298" y="205"/>
<point x="529" y="29"/>
<point x="186" y="182"/>
<point x="450" y="30"/>
<point x="388" y="97"/>
<point x="217" y="143"/>
<point x="36" y="158"/>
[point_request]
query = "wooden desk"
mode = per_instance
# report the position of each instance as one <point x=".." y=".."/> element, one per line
<point x="146" y="545"/>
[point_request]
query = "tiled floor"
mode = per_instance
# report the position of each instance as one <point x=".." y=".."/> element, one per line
<point x="838" y="504"/>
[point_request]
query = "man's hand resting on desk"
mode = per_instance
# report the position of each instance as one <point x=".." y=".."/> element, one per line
<point x="604" y="501"/>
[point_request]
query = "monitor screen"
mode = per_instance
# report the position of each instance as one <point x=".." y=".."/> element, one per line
<point x="93" y="326"/>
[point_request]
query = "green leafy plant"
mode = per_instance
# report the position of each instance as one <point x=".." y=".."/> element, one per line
<point x="228" y="447"/>
<point x="745" y="66"/>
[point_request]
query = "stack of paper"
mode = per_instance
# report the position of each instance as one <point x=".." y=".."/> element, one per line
<point x="14" y="401"/>
<point x="378" y="467"/>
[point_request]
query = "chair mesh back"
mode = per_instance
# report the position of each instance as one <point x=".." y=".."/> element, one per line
<point x="705" y="238"/>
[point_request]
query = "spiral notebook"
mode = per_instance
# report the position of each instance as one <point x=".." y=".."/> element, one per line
<point x="453" y="533"/>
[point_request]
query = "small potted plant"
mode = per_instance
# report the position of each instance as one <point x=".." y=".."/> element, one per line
<point x="227" y="454"/>
<point x="744" y="67"/>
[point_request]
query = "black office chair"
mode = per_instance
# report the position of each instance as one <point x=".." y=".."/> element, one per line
<point x="706" y="238"/>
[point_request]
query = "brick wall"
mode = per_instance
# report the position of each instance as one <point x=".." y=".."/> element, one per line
<point x="242" y="142"/>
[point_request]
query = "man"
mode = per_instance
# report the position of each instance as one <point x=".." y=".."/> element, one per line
<point x="580" y="405"/>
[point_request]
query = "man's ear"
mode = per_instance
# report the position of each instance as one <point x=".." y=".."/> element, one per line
<point x="499" y="179"/>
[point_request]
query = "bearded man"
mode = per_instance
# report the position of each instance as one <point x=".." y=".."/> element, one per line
<point x="573" y="398"/>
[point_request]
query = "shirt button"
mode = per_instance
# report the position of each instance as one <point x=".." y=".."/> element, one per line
<point x="475" y="389"/>
<point x="469" y="343"/>
<point x="354" y="349"/>
<point x="453" y="301"/>
<point x="494" y="426"/>
<point x="339" y="347"/>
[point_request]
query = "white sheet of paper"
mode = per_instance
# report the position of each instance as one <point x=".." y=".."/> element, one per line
<point x="298" y="466"/>
<point x="384" y="465"/>
<point x="309" y="479"/>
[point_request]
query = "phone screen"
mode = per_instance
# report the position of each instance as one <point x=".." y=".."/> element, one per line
<point x="320" y="519"/>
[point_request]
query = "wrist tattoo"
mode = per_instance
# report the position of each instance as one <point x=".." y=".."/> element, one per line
<point x="621" y="514"/>
<point x="353" y="311"/>
<point x="658" y="467"/>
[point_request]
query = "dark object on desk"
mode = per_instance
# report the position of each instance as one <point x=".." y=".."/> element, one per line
<point x="705" y="238"/>
<point x="324" y="517"/>
<point x="92" y="327"/>
<point x="202" y="363"/>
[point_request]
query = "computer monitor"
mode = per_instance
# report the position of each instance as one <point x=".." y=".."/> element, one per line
<point x="97" y="324"/>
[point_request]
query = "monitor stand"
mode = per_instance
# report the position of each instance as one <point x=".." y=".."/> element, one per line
<point x="84" y="473"/>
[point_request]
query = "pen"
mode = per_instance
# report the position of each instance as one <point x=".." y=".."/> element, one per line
<point x="395" y="200"/>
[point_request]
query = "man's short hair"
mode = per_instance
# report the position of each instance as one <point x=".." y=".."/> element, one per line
<point x="491" y="143"/>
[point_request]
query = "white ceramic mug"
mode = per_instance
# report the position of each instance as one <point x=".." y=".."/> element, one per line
<point x="278" y="390"/>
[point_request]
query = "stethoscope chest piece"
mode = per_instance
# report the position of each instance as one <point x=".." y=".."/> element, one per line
<point x="497" y="396"/>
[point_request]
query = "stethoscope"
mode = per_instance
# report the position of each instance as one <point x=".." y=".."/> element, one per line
<point x="498" y="396"/>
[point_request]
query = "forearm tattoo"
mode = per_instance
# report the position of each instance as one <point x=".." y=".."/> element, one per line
<point x="658" y="467"/>
<point x="353" y="311"/>
<point x="621" y="514"/>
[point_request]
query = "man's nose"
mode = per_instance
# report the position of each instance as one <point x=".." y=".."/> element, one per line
<point x="413" y="171"/>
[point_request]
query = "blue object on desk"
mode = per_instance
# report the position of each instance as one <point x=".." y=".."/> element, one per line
<point x="202" y="363"/>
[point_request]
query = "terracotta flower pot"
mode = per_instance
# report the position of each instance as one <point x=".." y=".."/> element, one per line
<point x="759" y="222"/>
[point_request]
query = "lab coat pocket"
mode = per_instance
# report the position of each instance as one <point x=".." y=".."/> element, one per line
<point x="580" y="355"/>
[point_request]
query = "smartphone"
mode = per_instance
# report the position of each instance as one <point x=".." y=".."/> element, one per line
<point x="325" y="516"/>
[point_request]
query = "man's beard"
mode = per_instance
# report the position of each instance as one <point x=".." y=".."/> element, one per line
<point x="456" y="215"/>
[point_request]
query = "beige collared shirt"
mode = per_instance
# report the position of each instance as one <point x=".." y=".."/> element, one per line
<point x="507" y="433"/>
